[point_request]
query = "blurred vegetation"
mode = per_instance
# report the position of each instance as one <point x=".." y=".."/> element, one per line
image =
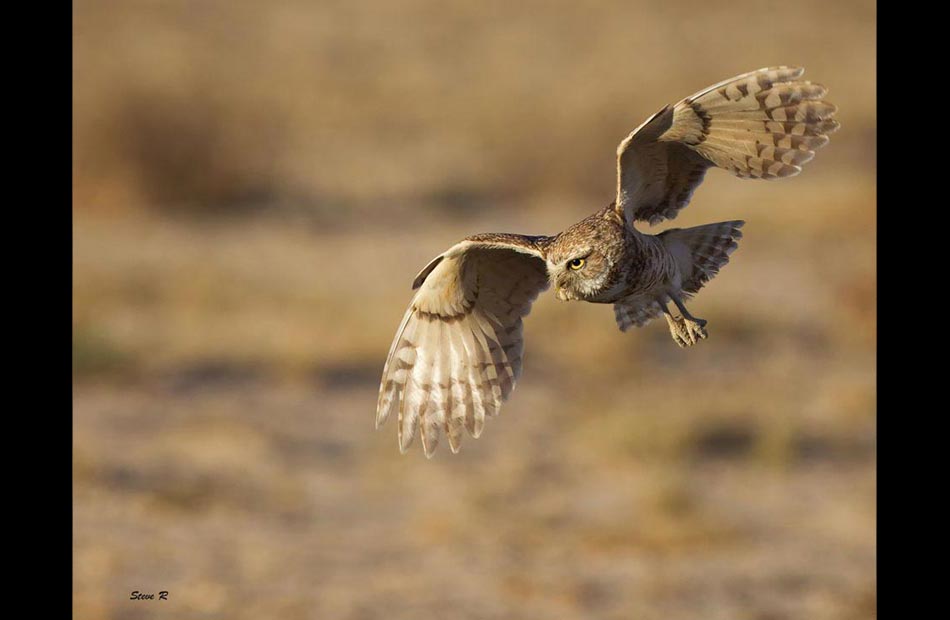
<point x="255" y="185"/>
<point x="216" y="104"/>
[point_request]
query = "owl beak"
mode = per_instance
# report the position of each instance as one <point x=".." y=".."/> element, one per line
<point x="562" y="294"/>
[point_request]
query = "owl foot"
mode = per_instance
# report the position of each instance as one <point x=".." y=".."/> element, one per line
<point x="697" y="329"/>
<point x="686" y="332"/>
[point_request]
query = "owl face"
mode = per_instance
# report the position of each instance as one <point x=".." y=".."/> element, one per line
<point x="580" y="277"/>
<point x="583" y="260"/>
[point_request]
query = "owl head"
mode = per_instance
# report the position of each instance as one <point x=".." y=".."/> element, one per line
<point x="584" y="260"/>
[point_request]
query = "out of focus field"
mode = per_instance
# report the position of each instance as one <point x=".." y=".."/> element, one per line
<point x="255" y="186"/>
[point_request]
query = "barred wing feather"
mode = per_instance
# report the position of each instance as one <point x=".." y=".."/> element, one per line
<point x="765" y="124"/>
<point x="457" y="353"/>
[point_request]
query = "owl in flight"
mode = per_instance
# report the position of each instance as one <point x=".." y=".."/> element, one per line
<point x="457" y="353"/>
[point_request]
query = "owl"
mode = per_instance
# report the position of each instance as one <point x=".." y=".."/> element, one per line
<point x="458" y="351"/>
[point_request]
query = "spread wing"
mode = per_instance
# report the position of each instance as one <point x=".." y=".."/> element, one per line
<point x="457" y="353"/>
<point x="765" y="124"/>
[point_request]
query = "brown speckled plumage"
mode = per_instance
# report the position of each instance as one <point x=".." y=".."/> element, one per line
<point x="457" y="353"/>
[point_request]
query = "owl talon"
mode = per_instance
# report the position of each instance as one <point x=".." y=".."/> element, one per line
<point x="680" y="331"/>
<point x="687" y="327"/>
<point x="697" y="328"/>
<point x="687" y="332"/>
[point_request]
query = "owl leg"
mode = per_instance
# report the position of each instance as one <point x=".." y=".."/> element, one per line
<point x="695" y="327"/>
<point x="678" y="329"/>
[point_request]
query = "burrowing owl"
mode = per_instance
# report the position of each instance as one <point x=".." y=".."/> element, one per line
<point x="457" y="353"/>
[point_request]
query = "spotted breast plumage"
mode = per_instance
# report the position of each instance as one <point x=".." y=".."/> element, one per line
<point x="457" y="353"/>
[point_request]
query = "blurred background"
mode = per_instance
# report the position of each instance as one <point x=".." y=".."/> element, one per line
<point x="255" y="186"/>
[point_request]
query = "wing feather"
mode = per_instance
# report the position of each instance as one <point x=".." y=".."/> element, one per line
<point x="461" y="393"/>
<point x="764" y="124"/>
<point x="458" y="351"/>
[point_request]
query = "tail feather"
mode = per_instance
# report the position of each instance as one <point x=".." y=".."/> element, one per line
<point x="636" y="310"/>
<point x="702" y="251"/>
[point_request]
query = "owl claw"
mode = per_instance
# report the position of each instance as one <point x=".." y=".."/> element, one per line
<point x="697" y="328"/>
<point x="687" y="332"/>
<point x="679" y="332"/>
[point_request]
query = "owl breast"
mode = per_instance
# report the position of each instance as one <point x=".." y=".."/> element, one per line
<point x="645" y="267"/>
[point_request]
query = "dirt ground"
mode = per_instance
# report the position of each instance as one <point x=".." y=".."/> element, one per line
<point x="255" y="188"/>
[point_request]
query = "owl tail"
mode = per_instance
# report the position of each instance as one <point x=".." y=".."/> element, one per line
<point x="702" y="250"/>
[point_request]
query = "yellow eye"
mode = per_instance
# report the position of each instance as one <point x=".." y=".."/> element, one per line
<point x="576" y="264"/>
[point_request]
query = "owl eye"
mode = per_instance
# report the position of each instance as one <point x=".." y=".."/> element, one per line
<point x="576" y="264"/>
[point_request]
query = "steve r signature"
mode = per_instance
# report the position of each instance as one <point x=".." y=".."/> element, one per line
<point x="146" y="596"/>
